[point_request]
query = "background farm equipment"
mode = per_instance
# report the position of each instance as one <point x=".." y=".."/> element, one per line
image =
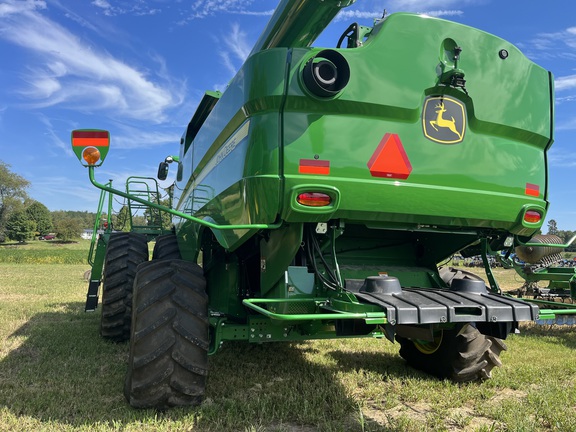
<point x="315" y="197"/>
<point x="541" y="262"/>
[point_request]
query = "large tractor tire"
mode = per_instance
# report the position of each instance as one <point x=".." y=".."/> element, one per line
<point x="168" y="360"/>
<point x="166" y="247"/>
<point x="124" y="253"/>
<point x="462" y="354"/>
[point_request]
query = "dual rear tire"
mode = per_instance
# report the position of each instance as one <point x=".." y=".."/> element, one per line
<point x="161" y="306"/>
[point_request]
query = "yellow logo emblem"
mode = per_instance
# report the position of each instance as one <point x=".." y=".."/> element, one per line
<point x="444" y="120"/>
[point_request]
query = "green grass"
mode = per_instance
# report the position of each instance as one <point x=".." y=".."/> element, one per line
<point x="45" y="252"/>
<point x="57" y="374"/>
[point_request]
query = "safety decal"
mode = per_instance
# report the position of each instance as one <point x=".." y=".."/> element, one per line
<point x="444" y="120"/>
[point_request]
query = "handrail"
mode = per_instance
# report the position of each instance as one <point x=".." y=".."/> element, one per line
<point x="176" y="212"/>
<point x="336" y="314"/>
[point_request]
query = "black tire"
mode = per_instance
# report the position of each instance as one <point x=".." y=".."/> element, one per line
<point x="168" y="360"/>
<point x="124" y="253"/>
<point x="448" y="274"/>
<point x="462" y="354"/>
<point x="166" y="247"/>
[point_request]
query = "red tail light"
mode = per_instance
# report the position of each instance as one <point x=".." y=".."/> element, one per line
<point x="532" y="216"/>
<point x="314" y="199"/>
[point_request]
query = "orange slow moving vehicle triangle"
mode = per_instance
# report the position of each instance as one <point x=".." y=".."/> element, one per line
<point x="390" y="159"/>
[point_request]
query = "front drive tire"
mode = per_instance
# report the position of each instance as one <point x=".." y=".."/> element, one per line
<point x="125" y="251"/>
<point x="168" y="360"/>
<point x="461" y="354"/>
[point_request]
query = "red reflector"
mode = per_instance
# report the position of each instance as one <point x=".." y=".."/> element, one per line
<point x="312" y="166"/>
<point x="532" y="190"/>
<point x="314" y="199"/>
<point x="94" y="138"/>
<point x="532" y="216"/>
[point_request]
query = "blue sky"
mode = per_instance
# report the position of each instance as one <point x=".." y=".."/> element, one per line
<point x="138" y="68"/>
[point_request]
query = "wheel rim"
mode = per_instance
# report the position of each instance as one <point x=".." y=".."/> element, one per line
<point x="428" y="347"/>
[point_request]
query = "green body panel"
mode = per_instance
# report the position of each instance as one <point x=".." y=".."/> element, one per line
<point x="509" y="127"/>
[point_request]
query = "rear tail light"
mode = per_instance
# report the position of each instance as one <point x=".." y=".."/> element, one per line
<point x="314" y="199"/>
<point x="532" y="216"/>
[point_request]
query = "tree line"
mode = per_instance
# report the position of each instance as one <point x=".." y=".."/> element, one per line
<point x="565" y="235"/>
<point x="23" y="218"/>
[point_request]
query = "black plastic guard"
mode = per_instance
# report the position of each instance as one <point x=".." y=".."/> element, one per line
<point x="434" y="306"/>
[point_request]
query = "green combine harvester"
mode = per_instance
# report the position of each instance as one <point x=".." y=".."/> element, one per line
<point x="317" y="195"/>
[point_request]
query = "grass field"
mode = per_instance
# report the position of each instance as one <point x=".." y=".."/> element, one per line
<point x="57" y="374"/>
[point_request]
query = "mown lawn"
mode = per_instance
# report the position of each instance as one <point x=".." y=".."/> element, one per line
<point x="57" y="374"/>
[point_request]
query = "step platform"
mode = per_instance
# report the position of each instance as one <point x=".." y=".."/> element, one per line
<point x="465" y="301"/>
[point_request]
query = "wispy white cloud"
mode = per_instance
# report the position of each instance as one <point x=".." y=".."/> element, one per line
<point x="136" y="138"/>
<point x="236" y="47"/>
<point x="565" y="83"/>
<point x="53" y="137"/>
<point x="561" y="159"/>
<point x="138" y="7"/>
<point x="206" y="8"/>
<point x="72" y="72"/>
<point x="560" y="44"/>
<point x="553" y="46"/>
<point x="11" y="7"/>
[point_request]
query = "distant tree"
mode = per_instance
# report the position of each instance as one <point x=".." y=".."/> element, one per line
<point x="40" y="214"/>
<point x="20" y="226"/>
<point x="566" y="236"/>
<point x="552" y="227"/>
<point x="12" y="194"/>
<point x="84" y="218"/>
<point x="121" y="220"/>
<point x="67" y="228"/>
<point x="159" y="218"/>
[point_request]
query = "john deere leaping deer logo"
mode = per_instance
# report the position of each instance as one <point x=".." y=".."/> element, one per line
<point x="444" y="120"/>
